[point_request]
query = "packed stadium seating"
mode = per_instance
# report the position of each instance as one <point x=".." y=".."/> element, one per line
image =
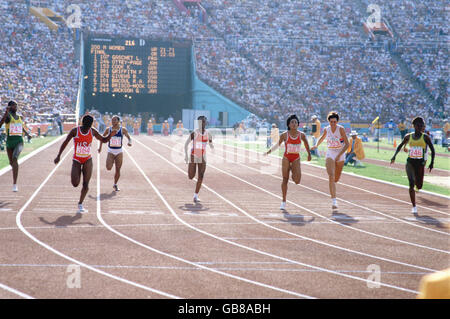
<point x="273" y="57"/>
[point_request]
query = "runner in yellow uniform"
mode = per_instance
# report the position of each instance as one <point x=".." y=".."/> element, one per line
<point x="415" y="164"/>
<point x="15" y="128"/>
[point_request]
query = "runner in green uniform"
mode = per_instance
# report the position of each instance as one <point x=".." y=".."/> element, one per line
<point x="415" y="164"/>
<point x="15" y="128"/>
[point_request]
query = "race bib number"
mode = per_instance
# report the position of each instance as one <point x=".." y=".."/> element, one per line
<point x="115" y="141"/>
<point x="293" y="148"/>
<point x="83" y="150"/>
<point x="200" y="145"/>
<point x="333" y="143"/>
<point x="15" y="129"/>
<point x="416" y="152"/>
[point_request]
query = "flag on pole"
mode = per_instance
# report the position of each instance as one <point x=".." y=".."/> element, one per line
<point x="373" y="122"/>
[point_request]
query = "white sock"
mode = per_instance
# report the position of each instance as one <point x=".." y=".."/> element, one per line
<point x="334" y="201"/>
<point x="195" y="195"/>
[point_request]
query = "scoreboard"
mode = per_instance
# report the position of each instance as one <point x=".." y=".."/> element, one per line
<point x="136" y="66"/>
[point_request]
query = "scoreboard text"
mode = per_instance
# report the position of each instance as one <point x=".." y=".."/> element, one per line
<point x="137" y="66"/>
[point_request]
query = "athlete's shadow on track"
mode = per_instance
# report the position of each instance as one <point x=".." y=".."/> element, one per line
<point x="296" y="219"/>
<point x="428" y="220"/>
<point x="4" y="204"/>
<point x="193" y="208"/>
<point x="343" y="218"/>
<point x="64" y="221"/>
<point x="104" y="196"/>
<point x="427" y="202"/>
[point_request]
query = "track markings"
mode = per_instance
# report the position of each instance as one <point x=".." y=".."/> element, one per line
<point x="351" y="186"/>
<point x="72" y="260"/>
<point x="172" y="256"/>
<point x="275" y="256"/>
<point x="343" y="200"/>
<point x="15" y="291"/>
<point x="299" y="206"/>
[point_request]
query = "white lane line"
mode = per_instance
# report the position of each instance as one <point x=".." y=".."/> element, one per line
<point x="354" y="187"/>
<point x="343" y="200"/>
<point x="217" y="268"/>
<point x="48" y="247"/>
<point x="164" y="224"/>
<point x="275" y="256"/>
<point x="109" y="228"/>
<point x="327" y="195"/>
<point x="184" y="260"/>
<point x="15" y="291"/>
<point x="310" y="211"/>
<point x="28" y="156"/>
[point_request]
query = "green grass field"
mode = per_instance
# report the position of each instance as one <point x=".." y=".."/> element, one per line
<point x="383" y="143"/>
<point x="28" y="148"/>
<point x="369" y="170"/>
<point x="385" y="155"/>
<point x="439" y="161"/>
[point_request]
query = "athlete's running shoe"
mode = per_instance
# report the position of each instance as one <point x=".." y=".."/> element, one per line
<point x="196" y="200"/>
<point x="414" y="210"/>
<point x="283" y="206"/>
<point x="80" y="208"/>
<point x="116" y="188"/>
<point x="15" y="188"/>
<point x="334" y="204"/>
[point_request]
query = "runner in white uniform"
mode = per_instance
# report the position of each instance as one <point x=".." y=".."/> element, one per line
<point x="115" y="155"/>
<point x="337" y="143"/>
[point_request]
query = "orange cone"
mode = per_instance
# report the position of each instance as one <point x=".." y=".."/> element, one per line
<point x="395" y="143"/>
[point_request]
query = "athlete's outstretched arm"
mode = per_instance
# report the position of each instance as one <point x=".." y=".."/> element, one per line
<point x="186" y="145"/>
<point x="101" y="138"/>
<point x="105" y="134"/>
<point x="210" y="142"/>
<point x="399" y="147"/>
<point x="305" y="141"/>
<point x="322" y="137"/>
<point x="125" y="132"/>
<point x="347" y="143"/>
<point x="281" y="140"/>
<point x="5" y="116"/>
<point x="25" y="130"/>
<point x="71" y="135"/>
<point x="430" y="145"/>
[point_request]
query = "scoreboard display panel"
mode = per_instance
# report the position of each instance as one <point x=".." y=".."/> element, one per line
<point x="136" y="66"/>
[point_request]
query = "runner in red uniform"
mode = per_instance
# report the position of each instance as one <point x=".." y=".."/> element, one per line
<point x="200" y="138"/>
<point x="292" y="139"/>
<point x="82" y="162"/>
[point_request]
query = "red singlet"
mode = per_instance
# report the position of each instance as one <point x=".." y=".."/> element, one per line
<point x="292" y="151"/>
<point x="82" y="146"/>
<point x="199" y="143"/>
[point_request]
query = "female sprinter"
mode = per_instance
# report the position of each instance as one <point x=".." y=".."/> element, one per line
<point x="115" y="155"/>
<point x="15" y="128"/>
<point x="337" y="143"/>
<point x="292" y="139"/>
<point x="200" y="138"/>
<point x="415" y="163"/>
<point x="82" y="161"/>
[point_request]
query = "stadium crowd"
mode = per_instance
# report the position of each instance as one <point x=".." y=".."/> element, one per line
<point x="37" y="67"/>
<point x="273" y="57"/>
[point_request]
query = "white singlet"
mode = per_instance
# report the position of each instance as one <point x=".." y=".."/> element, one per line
<point x="335" y="143"/>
